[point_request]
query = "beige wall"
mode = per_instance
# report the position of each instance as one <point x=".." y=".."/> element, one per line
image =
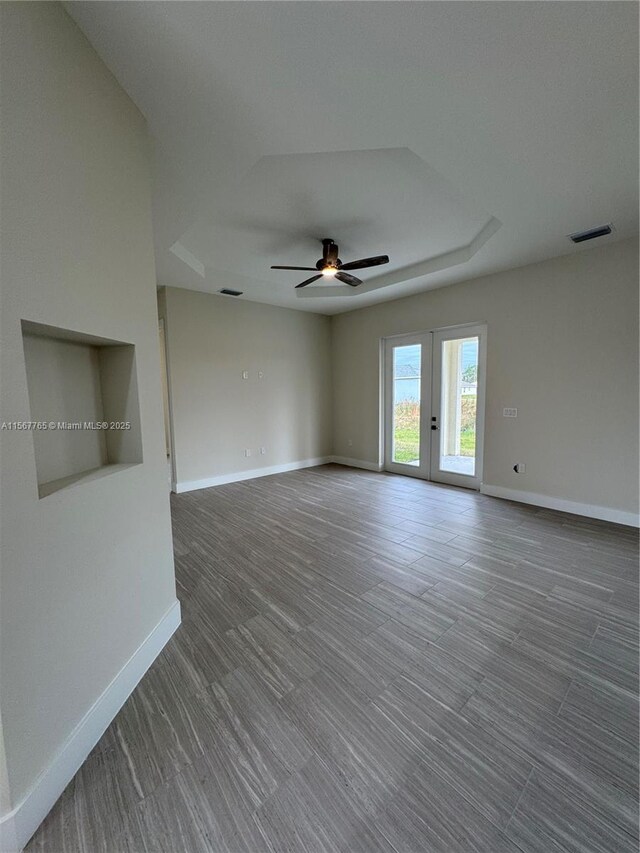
<point x="562" y="348"/>
<point x="87" y="572"/>
<point x="216" y="414"/>
<point x="63" y="378"/>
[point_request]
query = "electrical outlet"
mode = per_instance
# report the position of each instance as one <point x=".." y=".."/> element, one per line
<point x="260" y="374"/>
<point x="509" y="413"/>
<point x="263" y="450"/>
<point x="245" y="374"/>
<point x="247" y="452"/>
<point x="350" y="443"/>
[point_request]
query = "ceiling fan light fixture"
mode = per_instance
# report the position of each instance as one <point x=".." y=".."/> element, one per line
<point x="330" y="266"/>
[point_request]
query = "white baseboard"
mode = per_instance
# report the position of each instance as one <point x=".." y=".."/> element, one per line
<point x="355" y="463"/>
<point x="208" y="482"/>
<point x="17" y="827"/>
<point x="605" y="513"/>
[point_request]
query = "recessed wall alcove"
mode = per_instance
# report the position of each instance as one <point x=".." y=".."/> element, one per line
<point x="75" y="380"/>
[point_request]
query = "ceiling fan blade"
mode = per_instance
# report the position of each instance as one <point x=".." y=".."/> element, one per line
<point x="308" y="281"/>
<point x="366" y="262"/>
<point x="348" y="279"/>
<point x="310" y="269"/>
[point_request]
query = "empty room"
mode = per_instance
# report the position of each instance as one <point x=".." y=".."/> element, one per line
<point x="319" y="426"/>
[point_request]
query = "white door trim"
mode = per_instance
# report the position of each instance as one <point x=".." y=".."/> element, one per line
<point x="450" y="334"/>
<point x="424" y="340"/>
<point x="428" y="468"/>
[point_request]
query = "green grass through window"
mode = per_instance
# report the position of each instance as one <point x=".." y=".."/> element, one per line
<point x="407" y="431"/>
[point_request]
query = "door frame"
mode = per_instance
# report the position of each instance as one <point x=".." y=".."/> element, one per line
<point x="478" y="330"/>
<point x="167" y="403"/>
<point x="421" y="470"/>
<point x="429" y="439"/>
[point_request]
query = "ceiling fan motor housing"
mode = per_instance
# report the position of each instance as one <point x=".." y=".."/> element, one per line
<point x="329" y="255"/>
<point x="322" y="263"/>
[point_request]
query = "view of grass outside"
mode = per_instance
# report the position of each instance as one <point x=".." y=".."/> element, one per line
<point x="406" y="432"/>
<point x="468" y="425"/>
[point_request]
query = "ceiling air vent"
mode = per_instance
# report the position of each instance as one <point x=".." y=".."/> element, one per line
<point x="591" y="234"/>
<point x="228" y="292"/>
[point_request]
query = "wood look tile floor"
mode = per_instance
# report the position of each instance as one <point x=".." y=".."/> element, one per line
<point x="376" y="664"/>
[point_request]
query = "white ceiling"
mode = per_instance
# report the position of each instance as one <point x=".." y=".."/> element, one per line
<point x="458" y="138"/>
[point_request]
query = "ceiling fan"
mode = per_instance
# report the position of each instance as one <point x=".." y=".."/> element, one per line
<point x="331" y="266"/>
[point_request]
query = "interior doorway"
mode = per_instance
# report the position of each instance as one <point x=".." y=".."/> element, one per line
<point x="165" y="397"/>
<point x="434" y="386"/>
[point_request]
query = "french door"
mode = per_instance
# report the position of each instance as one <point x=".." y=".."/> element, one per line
<point x="434" y="405"/>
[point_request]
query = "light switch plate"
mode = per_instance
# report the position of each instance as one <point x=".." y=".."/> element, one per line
<point x="509" y="413"/>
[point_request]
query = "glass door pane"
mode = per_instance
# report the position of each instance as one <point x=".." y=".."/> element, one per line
<point x="459" y="405"/>
<point x="406" y="402"/>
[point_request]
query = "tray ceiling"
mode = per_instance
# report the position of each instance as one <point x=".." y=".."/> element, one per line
<point x="459" y="138"/>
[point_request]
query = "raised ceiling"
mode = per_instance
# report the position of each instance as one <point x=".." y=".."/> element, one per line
<point x="385" y="198"/>
<point x="458" y="138"/>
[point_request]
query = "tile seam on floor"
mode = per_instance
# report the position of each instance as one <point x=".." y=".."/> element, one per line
<point x="520" y="796"/>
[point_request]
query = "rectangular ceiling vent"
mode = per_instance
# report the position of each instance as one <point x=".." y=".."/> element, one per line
<point x="228" y="292"/>
<point x="591" y="234"/>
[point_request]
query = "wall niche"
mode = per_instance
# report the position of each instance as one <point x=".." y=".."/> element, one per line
<point x="76" y="380"/>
